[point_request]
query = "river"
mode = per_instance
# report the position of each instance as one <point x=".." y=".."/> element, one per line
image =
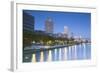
<point x="75" y="52"/>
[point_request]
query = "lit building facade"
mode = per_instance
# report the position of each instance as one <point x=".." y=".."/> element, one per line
<point x="49" y="25"/>
<point x="28" y="22"/>
<point x="66" y="32"/>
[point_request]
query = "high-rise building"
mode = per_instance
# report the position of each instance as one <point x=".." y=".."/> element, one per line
<point x="66" y="32"/>
<point x="28" y="22"/>
<point x="49" y="25"/>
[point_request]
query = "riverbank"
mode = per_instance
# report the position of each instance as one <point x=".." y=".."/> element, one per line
<point x="35" y="48"/>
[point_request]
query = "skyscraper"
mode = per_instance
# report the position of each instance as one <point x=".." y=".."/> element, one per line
<point x="49" y="25"/>
<point x="65" y="30"/>
<point x="28" y="22"/>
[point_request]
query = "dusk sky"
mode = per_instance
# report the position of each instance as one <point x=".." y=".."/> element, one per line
<point x="78" y="23"/>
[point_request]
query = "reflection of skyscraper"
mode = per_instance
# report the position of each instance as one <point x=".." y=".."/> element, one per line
<point x="28" y="22"/>
<point x="49" y="25"/>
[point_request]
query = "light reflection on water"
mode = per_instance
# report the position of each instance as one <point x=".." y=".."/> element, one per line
<point x="76" y="52"/>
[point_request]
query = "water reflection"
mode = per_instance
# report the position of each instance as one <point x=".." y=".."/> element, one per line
<point x="76" y="52"/>
<point x="33" y="58"/>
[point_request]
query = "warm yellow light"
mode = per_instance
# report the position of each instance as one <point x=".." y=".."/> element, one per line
<point x="41" y="57"/>
<point x="33" y="58"/>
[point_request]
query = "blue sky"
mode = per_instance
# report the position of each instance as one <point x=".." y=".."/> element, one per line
<point x="78" y="23"/>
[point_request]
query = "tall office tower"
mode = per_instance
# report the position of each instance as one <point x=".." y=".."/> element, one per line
<point x="28" y="22"/>
<point x="49" y="25"/>
<point x="66" y="30"/>
<point x="28" y="25"/>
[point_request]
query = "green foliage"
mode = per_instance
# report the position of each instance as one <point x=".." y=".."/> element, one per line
<point x="44" y="39"/>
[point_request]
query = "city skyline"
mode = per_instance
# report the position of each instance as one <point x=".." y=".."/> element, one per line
<point x="77" y="23"/>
